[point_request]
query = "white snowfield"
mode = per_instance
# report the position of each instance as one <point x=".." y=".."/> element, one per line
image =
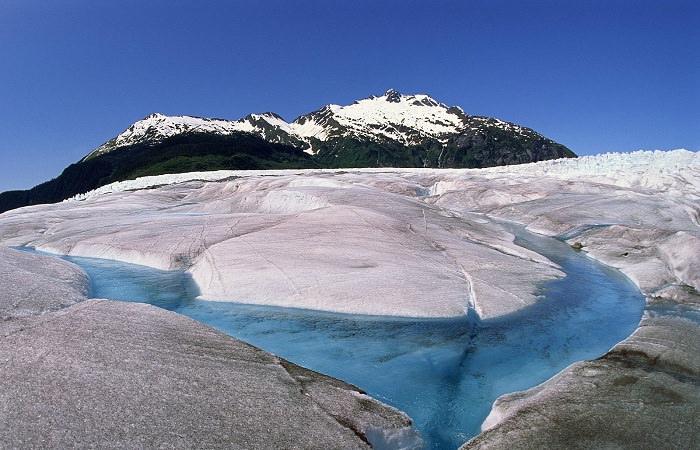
<point x="406" y="242"/>
<point x="384" y="117"/>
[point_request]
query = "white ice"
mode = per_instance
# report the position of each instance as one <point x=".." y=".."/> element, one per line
<point x="328" y="242"/>
<point x="373" y="242"/>
<point x="32" y="284"/>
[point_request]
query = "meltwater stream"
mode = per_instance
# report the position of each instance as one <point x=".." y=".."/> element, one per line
<point x="445" y="373"/>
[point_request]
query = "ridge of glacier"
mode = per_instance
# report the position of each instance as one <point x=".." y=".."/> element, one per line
<point x="673" y="170"/>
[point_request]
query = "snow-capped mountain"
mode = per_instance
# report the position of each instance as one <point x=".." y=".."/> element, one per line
<point x="390" y="130"/>
<point x="393" y="118"/>
<point x="157" y="127"/>
<point x="407" y="119"/>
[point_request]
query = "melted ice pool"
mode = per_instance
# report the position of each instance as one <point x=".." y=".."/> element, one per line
<point x="445" y="373"/>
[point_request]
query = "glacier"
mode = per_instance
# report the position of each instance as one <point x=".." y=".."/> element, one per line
<point x="429" y="243"/>
<point x="444" y="373"/>
<point x="109" y="374"/>
<point x="328" y="242"/>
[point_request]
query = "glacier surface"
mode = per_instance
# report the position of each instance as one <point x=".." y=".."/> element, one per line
<point x="106" y="374"/>
<point x="407" y="242"/>
<point x="352" y="243"/>
<point x="429" y="243"/>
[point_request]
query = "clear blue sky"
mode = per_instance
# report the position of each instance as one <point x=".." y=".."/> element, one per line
<point x="597" y="76"/>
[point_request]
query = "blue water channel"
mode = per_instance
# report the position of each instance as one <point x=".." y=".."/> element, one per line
<point x="445" y="373"/>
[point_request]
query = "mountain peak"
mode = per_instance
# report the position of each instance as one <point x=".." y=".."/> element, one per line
<point x="392" y="96"/>
<point x="403" y="119"/>
<point x="156" y="127"/>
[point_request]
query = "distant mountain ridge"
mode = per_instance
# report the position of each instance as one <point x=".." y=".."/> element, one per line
<point x="392" y="119"/>
<point x="391" y="130"/>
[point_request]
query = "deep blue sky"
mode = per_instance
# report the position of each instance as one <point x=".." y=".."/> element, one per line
<point x="597" y="76"/>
